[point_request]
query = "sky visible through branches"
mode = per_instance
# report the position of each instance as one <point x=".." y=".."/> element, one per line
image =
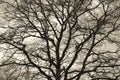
<point x="60" y="39"/>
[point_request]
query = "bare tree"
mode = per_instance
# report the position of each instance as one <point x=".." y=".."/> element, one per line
<point x="62" y="39"/>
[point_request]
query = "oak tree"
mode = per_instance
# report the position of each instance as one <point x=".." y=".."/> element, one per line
<point x="61" y="39"/>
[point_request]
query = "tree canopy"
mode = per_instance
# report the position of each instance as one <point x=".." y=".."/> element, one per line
<point x="60" y="39"/>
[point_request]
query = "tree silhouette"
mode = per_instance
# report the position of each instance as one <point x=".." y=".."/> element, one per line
<point x="61" y="39"/>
